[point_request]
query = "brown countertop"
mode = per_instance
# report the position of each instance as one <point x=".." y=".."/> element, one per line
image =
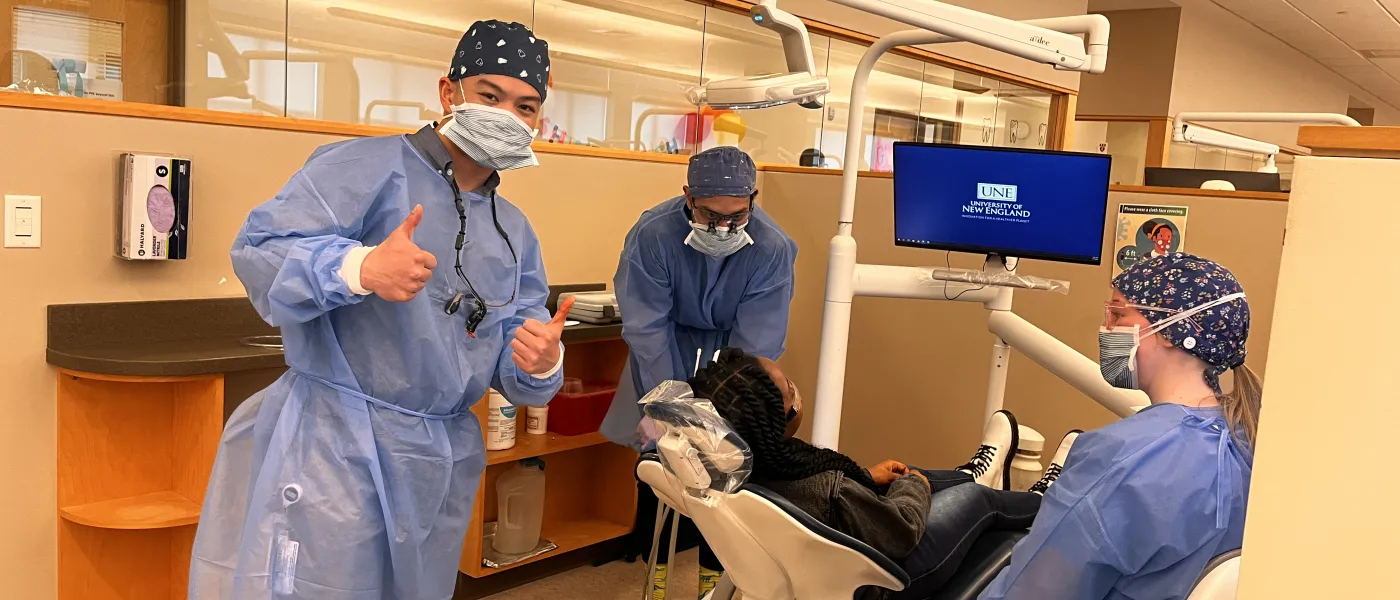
<point x="183" y="337"/>
<point x="167" y="359"/>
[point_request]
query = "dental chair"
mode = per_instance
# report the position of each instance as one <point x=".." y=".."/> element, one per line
<point x="772" y="550"/>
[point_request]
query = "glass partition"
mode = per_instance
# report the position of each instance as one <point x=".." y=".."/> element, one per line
<point x="108" y="51"/>
<point x="622" y="70"/>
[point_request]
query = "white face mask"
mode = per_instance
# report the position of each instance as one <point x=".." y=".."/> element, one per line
<point x="1118" y="346"/>
<point x="719" y="243"/>
<point x="494" y="138"/>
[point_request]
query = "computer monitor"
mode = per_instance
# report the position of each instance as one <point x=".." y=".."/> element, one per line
<point x="1009" y="202"/>
<point x="1244" y="181"/>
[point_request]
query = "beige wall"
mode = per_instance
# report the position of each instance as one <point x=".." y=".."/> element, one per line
<point x="1225" y="64"/>
<point x="1142" y="56"/>
<point x="916" y="376"/>
<point x="1332" y="387"/>
<point x="581" y="229"/>
<point x="850" y="18"/>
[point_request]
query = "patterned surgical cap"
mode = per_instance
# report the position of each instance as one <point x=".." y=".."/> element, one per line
<point x="496" y="48"/>
<point x="1180" y="282"/>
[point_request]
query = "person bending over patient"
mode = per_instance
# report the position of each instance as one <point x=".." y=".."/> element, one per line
<point x="1145" y="503"/>
<point x="924" y="520"/>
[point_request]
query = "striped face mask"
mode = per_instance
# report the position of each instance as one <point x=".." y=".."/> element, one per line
<point x="494" y="138"/>
<point x="1118" y="346"/>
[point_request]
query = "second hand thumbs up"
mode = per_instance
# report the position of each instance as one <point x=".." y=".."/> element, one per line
<point x="535" y="348"/>
<point x="397" y="269"/>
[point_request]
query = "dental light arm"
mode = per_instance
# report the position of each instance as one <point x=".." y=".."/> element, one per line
<point x="797" y="44"/>
<point x="1184" y="132"/>
<point x="1064" y="362"/>
<point x="1266" y="117"/>
<point x="1049" y="41"/>
<point x="1192" y="134"/>
<point x="801" y="84"/>
<point x="1032" y="40"/>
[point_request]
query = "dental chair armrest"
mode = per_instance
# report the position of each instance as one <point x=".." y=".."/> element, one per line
<point x="827" y="533"/>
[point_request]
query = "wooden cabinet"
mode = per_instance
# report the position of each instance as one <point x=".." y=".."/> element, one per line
<point x="134" y="456"/>
<point x="590" y="485"/>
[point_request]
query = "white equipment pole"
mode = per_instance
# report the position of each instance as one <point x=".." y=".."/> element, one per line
<point x="844" y="275"/>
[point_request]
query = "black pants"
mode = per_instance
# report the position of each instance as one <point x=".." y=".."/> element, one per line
<point x="640" y="541"/>
<point x="960" y="512"/>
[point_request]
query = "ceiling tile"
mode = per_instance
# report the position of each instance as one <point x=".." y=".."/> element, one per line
<point x="1344" y="62"/>
<point x="1390" y="65"/>
<point x="1362" y="24"/>
<point x="1315" y="28"/>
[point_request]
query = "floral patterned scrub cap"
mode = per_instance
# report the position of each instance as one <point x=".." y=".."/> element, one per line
<point x="1179" y="282"/>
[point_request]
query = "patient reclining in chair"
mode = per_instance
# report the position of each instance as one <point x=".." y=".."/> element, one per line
<point x="924" y="520"/>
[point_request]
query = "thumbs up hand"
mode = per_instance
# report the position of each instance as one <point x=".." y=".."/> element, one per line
<point x="397" y="269"/>
<point x="535" y="348"/>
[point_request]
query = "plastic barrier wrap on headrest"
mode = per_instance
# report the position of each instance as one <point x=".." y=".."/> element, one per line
<point x="694" y="442"/>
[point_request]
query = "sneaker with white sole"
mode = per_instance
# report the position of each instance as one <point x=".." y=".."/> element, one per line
<point x="991" y="465"/>
<point x="1057" y="464"/>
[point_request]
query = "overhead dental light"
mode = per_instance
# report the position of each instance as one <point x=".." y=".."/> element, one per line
<point x="1194" y="134"/>
<point x="1183" y="131"/>
<point x="801" y="84"/>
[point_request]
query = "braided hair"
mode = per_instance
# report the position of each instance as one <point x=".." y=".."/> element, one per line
<point x="746" y="396"/>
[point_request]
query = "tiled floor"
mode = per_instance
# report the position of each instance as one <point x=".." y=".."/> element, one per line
<point x="614" y="581"/>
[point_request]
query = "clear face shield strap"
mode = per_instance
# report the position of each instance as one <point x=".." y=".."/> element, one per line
<point x="1188" y="313"/>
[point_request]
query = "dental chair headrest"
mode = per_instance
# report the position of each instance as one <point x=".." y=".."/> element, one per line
<point x="694" y="443"/>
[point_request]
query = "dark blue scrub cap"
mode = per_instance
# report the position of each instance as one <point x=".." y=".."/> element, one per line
<point x="722" y="171"/>
<point x="497" y="48"/>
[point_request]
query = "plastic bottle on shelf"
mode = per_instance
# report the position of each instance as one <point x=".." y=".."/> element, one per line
<point x="520" y="508"/>
<point x="537" y="419"/>
<point x="500" y="422"/>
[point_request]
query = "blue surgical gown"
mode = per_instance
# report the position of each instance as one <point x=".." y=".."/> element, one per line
<point x="382" y="497"/>
<point x="1142" y="506"/>
<point x="676" y="300"/>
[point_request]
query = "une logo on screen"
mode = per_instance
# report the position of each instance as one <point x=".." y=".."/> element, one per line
<point x="994" y="191"/>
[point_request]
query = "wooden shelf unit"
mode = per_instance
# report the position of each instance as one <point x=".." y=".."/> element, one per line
<point x="134" y="456"/>
<point x="590" y="485"/>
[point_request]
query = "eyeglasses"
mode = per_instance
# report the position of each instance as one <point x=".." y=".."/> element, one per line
<point x="713" y="219"/>
<point x="1114" y="311"/>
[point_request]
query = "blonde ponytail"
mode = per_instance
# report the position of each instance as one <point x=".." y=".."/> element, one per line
<point x="1241" y="406"/>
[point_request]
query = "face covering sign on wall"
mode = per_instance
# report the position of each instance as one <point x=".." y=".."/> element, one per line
<point x="1145" y="230"/>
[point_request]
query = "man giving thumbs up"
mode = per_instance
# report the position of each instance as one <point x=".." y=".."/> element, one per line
<point x="398" y="269"/>
<point x="353" y="475"/>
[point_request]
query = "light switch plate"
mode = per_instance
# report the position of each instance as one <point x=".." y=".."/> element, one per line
<point x="23" y="223"/>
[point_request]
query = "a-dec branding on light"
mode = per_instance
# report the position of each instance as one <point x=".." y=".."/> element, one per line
<point x="996" y="202"/>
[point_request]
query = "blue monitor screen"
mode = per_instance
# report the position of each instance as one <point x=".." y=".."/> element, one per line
<point x="1004" y="201"/>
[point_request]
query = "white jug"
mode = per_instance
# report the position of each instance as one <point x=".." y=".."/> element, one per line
<point x="520" y="512"/>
